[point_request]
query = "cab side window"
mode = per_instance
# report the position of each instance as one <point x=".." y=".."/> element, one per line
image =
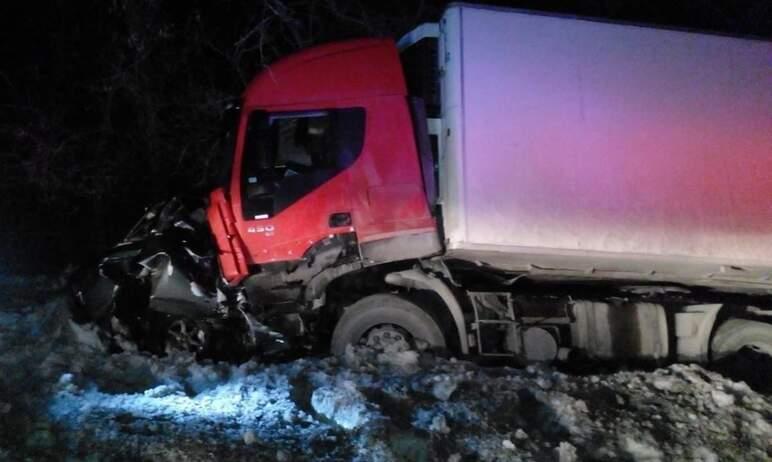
<point x="288" y="155"/>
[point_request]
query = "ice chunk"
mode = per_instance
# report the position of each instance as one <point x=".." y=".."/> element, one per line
<point x="439" y="424"/>
<point x="86" y="335"/>
<point x="566" y="452"/>
<point x="65" y="379"/>
<point x="703" y="454"/>
<point x="249" y="437"/>
<point x="663" y="383"/>
<point x="640" y="451"/>
<point x="544" y="383"/>
<point x="721" y="398"/>
<point x="164" y="390"/>
<point x="343" y="404"/>
<point x="444" y="387"/>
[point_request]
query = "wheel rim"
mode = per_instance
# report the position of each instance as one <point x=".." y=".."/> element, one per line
<point x="186" y="336"/>
<point x="388" y="338"/>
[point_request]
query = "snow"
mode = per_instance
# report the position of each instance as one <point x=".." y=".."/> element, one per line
<point x="444" y="386"/>
<point x="721" y="398"/>
<point x="405" y="361"/>
<point x="703" y="454"/>
<point x="343" y="404"/>
<point x="566" y="452"/>
<point x="663" y="383"/>
<point x="63" y="395"/>
<point x="249" y="437"/>
<point x="86" y="335"/>
<point x="641" y="451"/>
<point x="439" y="424"/>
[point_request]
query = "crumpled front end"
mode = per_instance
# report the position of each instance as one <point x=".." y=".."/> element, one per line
<point x="161" y="286"/>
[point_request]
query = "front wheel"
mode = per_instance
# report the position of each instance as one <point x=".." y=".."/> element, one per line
<point x="386" y="316"/>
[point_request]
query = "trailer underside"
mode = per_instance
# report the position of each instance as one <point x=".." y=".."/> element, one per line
<point x="558" y="264"/>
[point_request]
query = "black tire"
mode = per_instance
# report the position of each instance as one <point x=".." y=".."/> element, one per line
<point x="742" y="350"/>
<point x="736" y="334"/>
<point x="379" y="309"/>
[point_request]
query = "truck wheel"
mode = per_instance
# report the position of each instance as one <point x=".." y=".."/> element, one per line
<point x="737" y="334"/>
<point x="386" y="315"/>
<point x="742" y="350"/>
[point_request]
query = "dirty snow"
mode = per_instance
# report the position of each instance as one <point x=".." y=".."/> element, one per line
<point x="62" y="394"/>
<point x="341" y="403"/>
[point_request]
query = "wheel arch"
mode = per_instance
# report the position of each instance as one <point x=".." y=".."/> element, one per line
<point x="697" y="326"/>
<point x="417" y="279"/>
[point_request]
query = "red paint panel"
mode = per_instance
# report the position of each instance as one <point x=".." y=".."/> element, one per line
<point x="407" y="200"/>
<point x="337" y="71"/>
<point x="360" y="73"/>
<point x="388" y="164"/>
<point x="229" y="247"/>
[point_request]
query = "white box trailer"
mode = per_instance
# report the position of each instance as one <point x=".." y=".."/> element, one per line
<point x="573" y="147"/>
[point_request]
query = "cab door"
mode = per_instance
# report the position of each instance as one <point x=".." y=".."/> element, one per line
<point x="293" y="185"/>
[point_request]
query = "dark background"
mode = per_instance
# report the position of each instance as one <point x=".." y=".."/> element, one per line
<point x="107" y="106"/>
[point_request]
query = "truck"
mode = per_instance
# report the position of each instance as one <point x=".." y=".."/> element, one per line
<point x="502" y="183"/>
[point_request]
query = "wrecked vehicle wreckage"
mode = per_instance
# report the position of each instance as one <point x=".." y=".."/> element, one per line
<point x="368" y="205"/>
<point x="160" y="288"/>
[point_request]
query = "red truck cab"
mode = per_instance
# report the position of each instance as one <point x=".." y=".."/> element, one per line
<point x="321" y="154"/>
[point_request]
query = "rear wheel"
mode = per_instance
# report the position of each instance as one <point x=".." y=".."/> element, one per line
<point x="737" y="334"/>
<point x="384" y="319"/>
<point x="742" y="349"/>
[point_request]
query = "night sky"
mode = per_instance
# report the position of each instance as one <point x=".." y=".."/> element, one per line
<point x="108" y="106"/>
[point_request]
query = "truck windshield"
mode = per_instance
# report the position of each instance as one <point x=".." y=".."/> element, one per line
<point x="289" y="154"/>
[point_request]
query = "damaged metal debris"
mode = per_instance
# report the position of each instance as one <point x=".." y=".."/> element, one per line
<point x="161" y="287"/>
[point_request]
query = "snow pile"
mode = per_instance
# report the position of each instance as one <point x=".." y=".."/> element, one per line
<point x="62" y="394"/>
